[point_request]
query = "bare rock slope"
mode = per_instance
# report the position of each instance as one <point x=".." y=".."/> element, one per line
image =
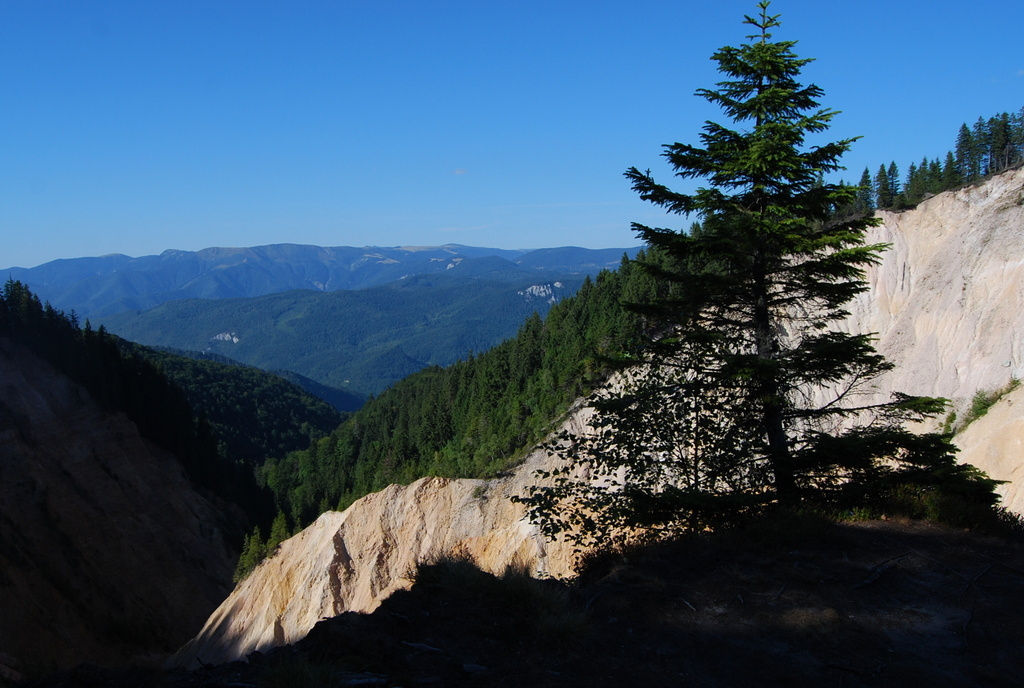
<point x="106" y="552"/>
<point x="947" y="302"/>
<point x="947" y="299"/>
<point x="353" y="560"/>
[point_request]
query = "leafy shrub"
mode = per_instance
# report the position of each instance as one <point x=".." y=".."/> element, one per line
<point x="983" y="401"/>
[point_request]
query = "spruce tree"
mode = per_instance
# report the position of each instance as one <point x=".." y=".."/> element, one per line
<point x="865" y="201"/>
<point x="950" y="173"/>
<point x="913" y="189"/>
<point x="967" y="158"/>
<point x="1017" y="137"/>
<point x="980" y="139"/>
<point x="933" y="180"/>
<point x="745" y="397"/>
<point x="893" y="178"/>
<point x="883" y="192"/>
<point x="999" y="142"/>
<point x="253" y="552"/>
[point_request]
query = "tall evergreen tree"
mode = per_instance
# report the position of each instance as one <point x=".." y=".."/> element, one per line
<point x="980" y="139"/>
<point x="883" y="191"/>
<point x="950" y="172"/>
<point x="933" y="178"/>
<point x="1017" y="136"/>
<point x="892" y="175"/>
<point x="913" y="189"/>
<point x="865" y="198"/>
<point x="967" y="164"/>
<point x="745" y="388"/>
<point x="999" y="142"/>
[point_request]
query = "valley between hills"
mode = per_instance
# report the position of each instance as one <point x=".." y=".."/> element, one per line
<point x="434" y="582"/>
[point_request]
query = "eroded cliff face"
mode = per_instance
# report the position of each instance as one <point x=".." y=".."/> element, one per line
<point x="948" y="297"/>
<point x="351" y="561"/>
<point x="995" y="443"/>
<point x="106" y="552"/>
<point x="947" y="301"/>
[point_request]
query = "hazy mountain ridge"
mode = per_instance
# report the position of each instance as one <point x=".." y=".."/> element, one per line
<point x="105" y="285"/>
<point x="360" y="340"/>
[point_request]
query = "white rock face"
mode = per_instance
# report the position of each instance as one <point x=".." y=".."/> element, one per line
<point x="948" y="298"/>
<point x="544" y="292"/>
<point x="947" y="302"/>
<point x="995" y="443"/>
<point x="351" y="561"/>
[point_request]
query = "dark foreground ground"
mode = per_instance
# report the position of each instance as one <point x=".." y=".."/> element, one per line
<point x="878" y="603"/>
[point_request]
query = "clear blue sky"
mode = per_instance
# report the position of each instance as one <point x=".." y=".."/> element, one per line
<point x="134" y="127"/>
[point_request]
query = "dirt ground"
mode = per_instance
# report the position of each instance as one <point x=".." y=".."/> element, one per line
<point x="879" y="603"/>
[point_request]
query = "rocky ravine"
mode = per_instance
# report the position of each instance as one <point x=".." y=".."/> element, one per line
<point x="947" y="302"/>
<point x="352" y="560"/>
<point x="107" y="553"/>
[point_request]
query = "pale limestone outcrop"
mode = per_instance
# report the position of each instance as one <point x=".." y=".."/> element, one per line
<point x="995" y="443"/>
<point x="351" y="561"/>
<point x="947" y="302"/>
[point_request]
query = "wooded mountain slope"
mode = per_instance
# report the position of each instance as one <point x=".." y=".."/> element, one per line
<point x="473" y="418"/>
<point x="335" y="565"/>
<point x="107" y="550"/>
<point x="121" y="512"/>
<point x="254" y="414"/>
<point x="361" y="340"/>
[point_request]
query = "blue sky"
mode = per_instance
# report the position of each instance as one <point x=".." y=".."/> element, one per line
<point x="136" y="127"/>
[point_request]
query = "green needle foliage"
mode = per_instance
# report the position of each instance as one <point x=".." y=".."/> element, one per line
<point x="473" y="418"/>
<point x="748" y="396"/>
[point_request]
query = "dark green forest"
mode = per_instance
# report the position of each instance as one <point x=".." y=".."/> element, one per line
<point x="253" y="414"/>
<point x="988" y="147"/>
<point x="476" y="417"/>
<point x="472" y="418"/>
<point x="121" y="381"/>
<point x="219" y="420"/>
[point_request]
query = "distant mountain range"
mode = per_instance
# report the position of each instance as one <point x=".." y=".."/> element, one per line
<point x="359" y="340"/>
<point x="106" y="285"/>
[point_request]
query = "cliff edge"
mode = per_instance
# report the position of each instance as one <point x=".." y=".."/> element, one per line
<point x="947" y="302"/>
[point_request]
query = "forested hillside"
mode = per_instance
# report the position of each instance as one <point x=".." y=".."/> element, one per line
<point x="359" y="340"/>
<point x="253" y="414"/>
<point x="471" y="418"/>
<point x="218" y="419"/>
<point x="340" y="399"/>
<point x="120" y="382"/>
<point x="108" y="551"/>
<point x="984" y="149"/>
